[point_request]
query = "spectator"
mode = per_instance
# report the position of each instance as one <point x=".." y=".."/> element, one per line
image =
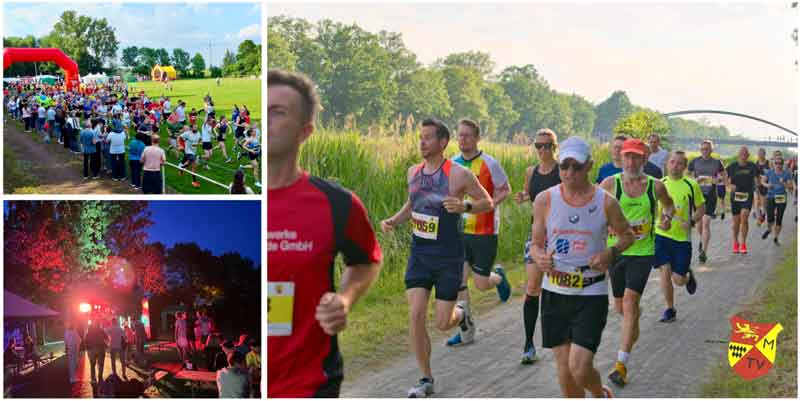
<point x="135" y="149"/>
<point x="234" y="381"/>
<point x="91" y="157"/>
<point x="152" y="159"/>
<point x="96" y="343"/>
<point x="237" y="186"/>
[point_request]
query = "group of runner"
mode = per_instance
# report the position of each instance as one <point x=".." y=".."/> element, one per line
<point x="583" y="236"/>
<point x="119" y="120"/>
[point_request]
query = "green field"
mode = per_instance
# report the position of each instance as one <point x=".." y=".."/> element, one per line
<point x="231" y="91"/>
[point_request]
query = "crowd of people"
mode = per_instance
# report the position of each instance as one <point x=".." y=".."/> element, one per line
<point x="637" y="215"/>
<point x="107" y="126"/>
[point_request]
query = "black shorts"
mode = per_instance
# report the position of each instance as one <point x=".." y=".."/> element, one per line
<point x="762" y="190"/>
<point x="427" y="271"/>
<point x="207" y="146"/>
<point x="737" y="206"/>
<point x="220" y="138"/>
<point x="573" y="318"/>
<point x="630" y="272"/>
<point x="190" y="157"/>
<point x="711" y="202"/>
<point x="166" y="115"/>
<point x="480" y="252"/>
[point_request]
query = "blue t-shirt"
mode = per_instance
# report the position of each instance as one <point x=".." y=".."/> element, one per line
<point x="117" y="142"/>
<point x="51" y="114"/>
<point x="773" y="178"/>
<point x="607" y="170"/>
<point x="135" y="149"/>
<point x="87" y="135"/>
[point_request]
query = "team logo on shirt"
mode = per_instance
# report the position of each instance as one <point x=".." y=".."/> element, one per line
<point x="562" y="246"/>
<point x="574" y="219"/>
<point x="592" y="209"/>
<point x="752" y="347"/>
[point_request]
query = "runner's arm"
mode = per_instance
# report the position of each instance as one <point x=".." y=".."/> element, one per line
<point x="501" y="193"/>
<point x="356" y="280"/>
<point x="481" y="201"/>
<point x="668" y="206"/>
<point x="541" y="208"/>
<point x="402" y="216"/>
<point x="524" y="195"/>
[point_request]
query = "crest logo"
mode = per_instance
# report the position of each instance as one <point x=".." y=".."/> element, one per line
<point x="752" y="347"/>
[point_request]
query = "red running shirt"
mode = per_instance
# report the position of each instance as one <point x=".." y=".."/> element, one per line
<point x="308" y="224"/>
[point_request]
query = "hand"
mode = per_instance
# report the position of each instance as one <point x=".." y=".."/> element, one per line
<point x="332" y="313"/>
<point x="387" y="225"/>
<point x="544" y="262"/>
<point x="686" y="226"/>
<point x="454" y="205"/>
<point x="519" y="197"/>
<point x="601" y="260"/>
<point x="666" y="222"/>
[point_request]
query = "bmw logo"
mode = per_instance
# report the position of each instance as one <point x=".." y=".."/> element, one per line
<point x="574" y="219"/>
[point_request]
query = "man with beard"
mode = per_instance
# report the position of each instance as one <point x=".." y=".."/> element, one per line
<point x="743" y="179"/>
<point x="707" y="170"/>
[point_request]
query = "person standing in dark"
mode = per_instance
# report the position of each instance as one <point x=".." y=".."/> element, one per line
<point x="96" y="343"/>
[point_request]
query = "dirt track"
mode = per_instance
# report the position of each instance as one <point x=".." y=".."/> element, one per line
<point x="669" y="360"/>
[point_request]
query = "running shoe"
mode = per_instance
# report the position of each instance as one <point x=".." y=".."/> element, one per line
<point x="466" y="325"/>
<point x="196" y="184"/>
<point x="735" y="247"/>
<point x="776" y="242"/>
<point x="723" y="216"/>
<point x="691" y="285"/>
<point x="228" y="160"/>
<point x="702" y="256"/>
<point x="422" y="389"/>
<point x="743" y="248"/>
<point x="454" y="341"/>
<point x="529" y="356"/>
<point x="607" y="393"/>
<point x="618" y="375"/>
<point x="765" y="235"/>
<point x="503" y="288"/>
<point x="668" y="316"/>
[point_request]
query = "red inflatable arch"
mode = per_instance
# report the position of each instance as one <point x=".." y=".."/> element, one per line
<point x="13" y="55"/>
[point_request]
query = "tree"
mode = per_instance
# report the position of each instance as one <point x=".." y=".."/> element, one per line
<point x="248" y="58"/>
<point x="279" y="54"/>
<point x="502" y="115"/>
<point x="181" y="61"/>
<point x="583" y="115"/>
<point x="20" y="69"/>
<point x="464" y="86"/>
<point x="130" y="56"/>
<point x="163" y="57"/>
<point x="480" y="61"/>
<point x="422" y="94"/>
<point x="641" y="124"/>
<point x="530" y="95"/>
<point x="610" y="111"/>
<point x="90" y="42"/>
<point x="228" y="61"/>
<point x="148" y="59"/>
<point x="216" y="72"/>
<point x="198" y="66"/>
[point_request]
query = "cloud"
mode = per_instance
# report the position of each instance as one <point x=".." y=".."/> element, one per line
<point x="250" y="32"/>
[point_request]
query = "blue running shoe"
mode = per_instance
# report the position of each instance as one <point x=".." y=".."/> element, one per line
<point x="529" y="356"/>
<point x="455" y="340"/>
<point x="668" y="316"/>
<point x="503" y="288"/>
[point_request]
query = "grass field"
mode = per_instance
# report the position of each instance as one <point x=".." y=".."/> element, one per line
<point x="239" y="91"/>
<point x="375" y="169"/>
<point x="776" y="302"/>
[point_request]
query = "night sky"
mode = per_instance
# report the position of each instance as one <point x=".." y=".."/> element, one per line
<point x="220" y="226"/>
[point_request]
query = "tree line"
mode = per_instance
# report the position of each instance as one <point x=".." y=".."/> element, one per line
<point x="93" y="44"/>
<point x="370" y="81"/>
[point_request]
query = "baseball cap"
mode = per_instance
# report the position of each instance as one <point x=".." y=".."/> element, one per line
<point x="574" y="148"/>
<point x="632" y="145"/>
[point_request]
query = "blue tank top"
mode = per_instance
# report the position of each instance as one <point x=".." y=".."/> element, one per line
<point x="435" y="231"/>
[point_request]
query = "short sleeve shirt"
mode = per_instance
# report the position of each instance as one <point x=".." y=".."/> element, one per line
<point x="743" y="177"/>
<point x="491" y="176"/>
<point x="607" y="170"/>
<point x="191" y="141"/>
<point x="687" y="196"/>
<point x="777" y="182"/>
<point x="705" y="172"/>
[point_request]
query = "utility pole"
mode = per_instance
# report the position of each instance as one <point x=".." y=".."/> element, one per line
<point x="209" y="55"/>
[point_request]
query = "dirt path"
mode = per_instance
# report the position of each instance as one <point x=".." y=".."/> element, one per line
<point x="57" y="170"/>
<point x="669" y="360"/>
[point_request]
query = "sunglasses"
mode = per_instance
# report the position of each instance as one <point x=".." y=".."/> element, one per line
<point x="566" y="165"/>
<point x="548" y="145"/>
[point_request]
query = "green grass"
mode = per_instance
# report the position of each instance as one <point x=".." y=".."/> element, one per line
<point x="232" y="91"/>
<point x="16" y="174"/>
<point x="375" y="169"/>
<point x="777" y="302"/>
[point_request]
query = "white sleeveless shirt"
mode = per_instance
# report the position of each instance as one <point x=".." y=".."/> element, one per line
<point x="576" y="234"/>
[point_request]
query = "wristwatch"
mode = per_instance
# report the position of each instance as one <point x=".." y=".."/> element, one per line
<point x="614" y="253"/>
<point x="468" y="206"/>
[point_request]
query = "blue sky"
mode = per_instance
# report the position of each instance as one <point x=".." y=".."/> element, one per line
<point x="187" y="26"/>
<point x="675" y="56"/>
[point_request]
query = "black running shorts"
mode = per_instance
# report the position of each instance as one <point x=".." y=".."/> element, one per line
<point x="631" y="272"/>
<point x="576" y="319"/>
<point x="480" y="252"/>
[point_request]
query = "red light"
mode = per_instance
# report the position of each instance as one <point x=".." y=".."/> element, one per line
<point x="84" y="307"/>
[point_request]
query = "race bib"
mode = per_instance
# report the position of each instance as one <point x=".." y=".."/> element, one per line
<point x="425" y="226"/>
<point x="780" y="199"/>
<point x="566" y="280"/>
<point x="705" y="180"/>
<point x="280" y="308"/>
<point x="741" y="196"/>
<point x="641" y="229"/>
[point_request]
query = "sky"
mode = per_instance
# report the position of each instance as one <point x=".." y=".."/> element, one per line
<point x="219" y="226"/>
<point x="669" y="57"/>
<point x="187" y="26"/>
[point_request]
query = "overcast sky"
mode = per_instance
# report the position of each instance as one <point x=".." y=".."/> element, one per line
<point x="186" y="26"/>
<point x="670" y="57"/>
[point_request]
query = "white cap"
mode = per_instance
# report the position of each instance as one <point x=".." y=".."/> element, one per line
<point x="574" y="148"/>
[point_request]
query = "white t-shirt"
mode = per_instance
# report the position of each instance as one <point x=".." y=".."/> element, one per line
<point x="660" y="159"/>
<point x="166" y="106"/>
<point x="191" y="141"/>
<point x="206" y="133"/>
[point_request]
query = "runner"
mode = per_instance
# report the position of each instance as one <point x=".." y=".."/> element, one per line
<point x="658" y="154"/>
<point x="776" y="181"/>
<point x="480" y="230"/>
<point x="537" y="179"/>
<point x="570" y="226"/>
<point x="435" y="203"/>
<point x="638" y="195"/>
<point x="222" y="129"/>
<point x="253" y="147"/>
<point x="311" y="220"/>
<point x="761" y="196"/>
<point x="208" y="147"/>
<point x="674" y="246"/>
<point x="615" y="165"/>
<point x="191" y="139"/>
<point x="721" y="190"/>
<point x="706" y="170"/>
<point x="743" y="179"/>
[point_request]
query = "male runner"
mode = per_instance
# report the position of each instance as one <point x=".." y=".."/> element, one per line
<point x="310" y="220"/>
<point x="743" y="178"/>
<point x="761" y="196"/>
<point x="480" y="230"/>
<point x="674" y="246"/>
<point x="435" y="203"/>
<point x="707" y="170"/>
<point x="638" y="195"/>
<point x="570" y="229"/>
<point x="615" y="165"/>
<point x="658" y="155"/>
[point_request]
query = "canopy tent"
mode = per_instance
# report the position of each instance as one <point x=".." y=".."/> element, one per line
<point x="158" y="72"/>
<point x="95" y="78"/>
<point x="48" y="79"/>
<point x="20" y="317"/>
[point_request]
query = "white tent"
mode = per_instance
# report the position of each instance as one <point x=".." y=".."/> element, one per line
<point x="95" y="78"/>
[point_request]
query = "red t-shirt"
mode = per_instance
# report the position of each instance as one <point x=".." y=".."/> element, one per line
<point x="302" y="244"/>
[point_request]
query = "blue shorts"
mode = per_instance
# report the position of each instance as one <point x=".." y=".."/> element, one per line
<point x="675" y="253"/>
<point x="427" y="271"/>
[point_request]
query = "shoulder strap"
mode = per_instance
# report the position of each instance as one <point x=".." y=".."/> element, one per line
<point x="691" y="197"/>
<point x="341" y="201"/>
<point x="618" y="185"/>
<point x="652" y="198"/>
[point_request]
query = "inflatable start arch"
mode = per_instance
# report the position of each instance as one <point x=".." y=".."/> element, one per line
<point x="13" y="55"/>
